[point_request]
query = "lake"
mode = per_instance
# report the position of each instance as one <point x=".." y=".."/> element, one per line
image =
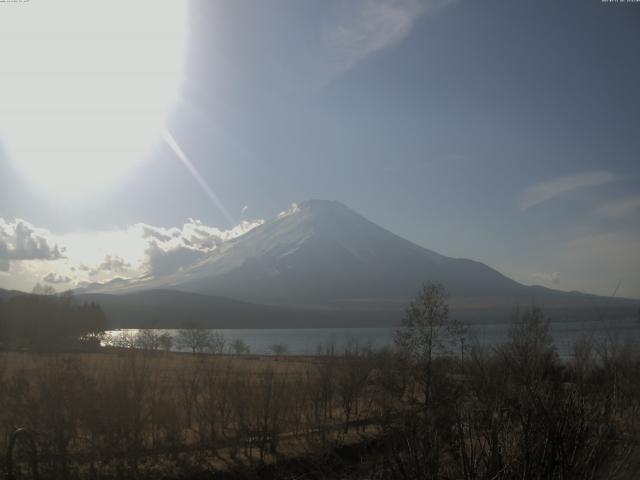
<point x="306" y="341"/>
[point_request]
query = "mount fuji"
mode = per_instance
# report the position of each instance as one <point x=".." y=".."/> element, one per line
<point x="323" y="256"/>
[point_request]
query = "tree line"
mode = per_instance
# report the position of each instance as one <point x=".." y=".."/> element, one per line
<point x="50" y="322"/>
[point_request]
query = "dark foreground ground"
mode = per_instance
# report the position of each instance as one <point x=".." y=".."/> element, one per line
<point x="506" y="412"/>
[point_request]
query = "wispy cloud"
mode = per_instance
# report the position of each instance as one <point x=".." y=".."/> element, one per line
<point x="363" y="27"/>
<point x="626" y="207"/>
<point x="544" y="191"/>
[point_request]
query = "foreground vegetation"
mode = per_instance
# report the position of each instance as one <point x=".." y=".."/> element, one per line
<point x="50" y="322"/>
<point x="435" y="407"/>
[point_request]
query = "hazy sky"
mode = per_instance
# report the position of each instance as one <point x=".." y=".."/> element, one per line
<point x="504" y="131"/>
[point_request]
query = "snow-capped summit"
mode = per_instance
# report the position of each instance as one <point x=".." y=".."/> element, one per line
<point x="323" y="253"/>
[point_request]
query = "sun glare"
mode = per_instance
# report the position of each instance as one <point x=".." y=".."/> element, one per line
<point x="85" y="87"/>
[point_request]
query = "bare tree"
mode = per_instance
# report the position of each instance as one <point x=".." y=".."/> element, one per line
<point x="240" y="347"/>
<point x="121" y="339"/>
<point x="351" y="379"/>
<point x="148" y="339"/>
<point x="269" y="407"/>
<point x="279" y="349"/>
<point x="530" y="351"/>
<point x="426" y="331"/>
<point x="165" y="341"/>
<point x="217" y="342"/>
<point x="195" y="339"/>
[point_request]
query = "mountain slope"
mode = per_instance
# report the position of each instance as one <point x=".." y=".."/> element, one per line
<point x="323" y="254"/>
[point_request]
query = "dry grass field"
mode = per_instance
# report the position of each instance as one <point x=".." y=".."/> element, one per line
<point x="165" y="363"/>
<point x="135" y="410"/>
<point x="512" y="411"/>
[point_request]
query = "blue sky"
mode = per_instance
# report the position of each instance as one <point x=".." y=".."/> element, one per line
<point x="503" y="131"/>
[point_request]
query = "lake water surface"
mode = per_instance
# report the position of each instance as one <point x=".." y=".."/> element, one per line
<point x="306" y="341"/>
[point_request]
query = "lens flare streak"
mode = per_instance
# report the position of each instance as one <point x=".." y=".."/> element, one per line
<point x="173" y="144"/>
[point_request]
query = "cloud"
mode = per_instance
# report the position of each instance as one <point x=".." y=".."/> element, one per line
<point x="361" y="28"/>
<point x="294" y="208"/>
<point x="166" y="261"/>
<point x="19" y="240"/>
<point x="154" y="232"/>
<point x="195" y="234"/>
<point x="53" y="277"/>
<point x="188" y="245"/>
<point x="93" y="258"/>
<point x="626" y="207"/>
<point x="541" y="192"/>
<point x="111" y="263"/>
<point x="163" y="251"/>
<point x="113" y="283"/>
<point x="143" y="250"/>
<point x="552" y="278"/>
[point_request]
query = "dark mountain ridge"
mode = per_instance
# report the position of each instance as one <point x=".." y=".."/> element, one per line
<point x="176" y="309"/>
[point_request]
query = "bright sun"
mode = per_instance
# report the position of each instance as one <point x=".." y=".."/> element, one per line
<point x="85" y="87"/>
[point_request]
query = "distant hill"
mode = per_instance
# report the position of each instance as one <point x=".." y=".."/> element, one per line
<point x="6" y="294"/>
<point x="176" y="309"/>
